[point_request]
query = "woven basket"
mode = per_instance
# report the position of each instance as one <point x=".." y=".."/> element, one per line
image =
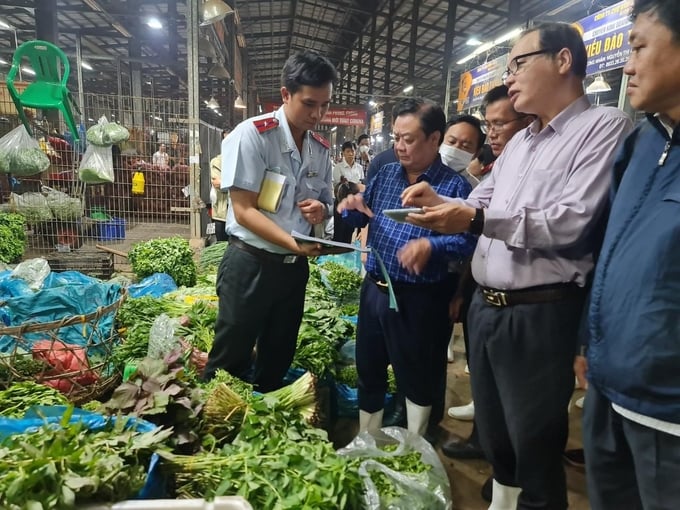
<point x="97" y="374"/>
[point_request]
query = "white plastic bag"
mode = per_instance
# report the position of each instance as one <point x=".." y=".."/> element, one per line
<point x="31" y="205"/>
<point x="429" y="490"/>
<point x="162" y="339"/>
<point x="106" y="133"/>
<point x="33" y="272"/>
<point x="21" y="155"/>
<point x="97" y="165"/>
<point x="63" y="206"/>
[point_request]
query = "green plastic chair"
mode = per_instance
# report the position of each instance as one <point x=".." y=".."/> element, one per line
<point x="48" y="91"/>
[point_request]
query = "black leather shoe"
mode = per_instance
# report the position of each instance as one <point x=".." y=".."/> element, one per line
<point x="460" y="448"/>
<point x="487" y="489"/>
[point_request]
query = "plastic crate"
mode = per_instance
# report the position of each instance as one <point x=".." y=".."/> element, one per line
<point x="97" y="264"/>
<point x="112" y="230"/>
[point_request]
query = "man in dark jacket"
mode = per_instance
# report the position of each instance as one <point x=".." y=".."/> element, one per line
<point x="631" y="425"/>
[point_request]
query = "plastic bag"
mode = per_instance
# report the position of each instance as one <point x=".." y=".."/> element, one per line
<point x="155" y="285"/>
<point x="22" y="154"/>
<point x="97" y="165"/>
<point x="428" y="490"/>
<point x="33" y="272"/>
<point x="106" y="133"/>
<point x="162" y="338"/>
<point x="32" y="206"/>
<point x="63" y="206"/>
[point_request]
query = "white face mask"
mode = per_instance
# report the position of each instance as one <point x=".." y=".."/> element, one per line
<point x="364" y="149"/>
<point x="454" y="157"/>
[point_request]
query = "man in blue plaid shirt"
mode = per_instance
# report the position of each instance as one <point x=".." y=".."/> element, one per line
<point x="414" y="338"/>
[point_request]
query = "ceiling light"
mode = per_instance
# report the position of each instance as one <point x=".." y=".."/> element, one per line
<point x="85" y="65"/>
<point x="508" y="36"/>
<point x="239" y="103"/>
<point x="562" y="7"/>
<point x="213" y="11"/>
<point x="480" y="49"/>
<point x="205" y="47"/>
<point x="212" y="104"/>
<point x="334" y="128"/>
<point x="259" y="108"/>
<point x="3" y="61"/>
<point x="599" y="85"/>
<point x="407" y="89"/>
<point x="219" y="71"/>
<point x="473" y="41"/>
<point x="154" y="23"/>
<point x="28" y="70"/>
<point x="5" y="26"/>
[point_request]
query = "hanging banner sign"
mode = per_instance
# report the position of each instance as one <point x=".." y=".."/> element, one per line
<point x="377" y="123"/>
<point x="475" y="83"/>
<point x="605" y="35"/>
<point x="348" y="116"/>
<point x="345" y="117"/>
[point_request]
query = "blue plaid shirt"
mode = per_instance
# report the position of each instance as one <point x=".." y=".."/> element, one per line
<point x="387" y="236"/>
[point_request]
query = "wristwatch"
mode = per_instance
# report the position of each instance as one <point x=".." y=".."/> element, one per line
<point x="477" y="222"/>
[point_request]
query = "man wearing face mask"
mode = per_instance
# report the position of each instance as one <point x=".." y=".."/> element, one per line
<point x="364" y="155"/>
<point x="463" y="141"/>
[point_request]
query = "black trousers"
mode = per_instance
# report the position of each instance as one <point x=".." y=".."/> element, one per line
<point x="413" y="340"/>
<point x="628" y="466"/>
<point x="220" y="230"/>
<point x="260" y="304"/>
<point x="522" y="379"/>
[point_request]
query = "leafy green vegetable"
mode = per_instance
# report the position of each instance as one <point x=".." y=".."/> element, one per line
<point x="159" y="391"/>
<point x="63" y="467"/>
<point x="21" y="396"/>
<point x="344" y="282"/>
<point x="211" y="256"/>
<point x="29" y="161"/>
<point x="276" y="462"/>
<point x="197" y="326"/>
<point x="172" y="256"/>
<point x="12" y="237"/>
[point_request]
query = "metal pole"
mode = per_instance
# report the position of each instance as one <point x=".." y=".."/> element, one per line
<point x="121" y="119"/>
<point x="447" y="95"/>
<point x="79" y="71"/>
<point x="193" y="120"/>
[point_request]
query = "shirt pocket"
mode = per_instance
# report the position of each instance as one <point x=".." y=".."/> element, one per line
<point x="543" y="186"/>
<point x="672" y="196"/>
<point x="311" y="187"/>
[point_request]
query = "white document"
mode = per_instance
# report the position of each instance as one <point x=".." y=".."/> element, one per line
<point x="327" y="242"/>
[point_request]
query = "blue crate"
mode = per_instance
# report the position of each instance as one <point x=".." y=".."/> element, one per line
<point x="112" y="230"/>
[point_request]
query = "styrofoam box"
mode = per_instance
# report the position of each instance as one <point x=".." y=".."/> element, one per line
<point x="221" y="503"/>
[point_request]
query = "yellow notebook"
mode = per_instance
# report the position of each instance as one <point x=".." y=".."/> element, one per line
<point x="271" y="191"/>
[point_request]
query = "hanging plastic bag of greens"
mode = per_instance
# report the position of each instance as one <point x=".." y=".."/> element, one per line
<point x="106" y="133"/>
<point x="20" y="154"/>
<point x="96" y="167"/>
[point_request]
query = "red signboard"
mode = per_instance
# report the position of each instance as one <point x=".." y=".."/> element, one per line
<point x="345" y="117"/>
<point x="348" y="116"/>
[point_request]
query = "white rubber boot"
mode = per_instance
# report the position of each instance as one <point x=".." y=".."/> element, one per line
<point x="417" y="417"/>
<point x="463" y="413"/>
<point x="450" y="357"/>
<point x="504" y="497"/>
<point x="370" y="422"/>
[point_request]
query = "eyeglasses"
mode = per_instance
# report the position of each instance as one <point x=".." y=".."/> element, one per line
<point x="514" y="66"/>
<point x="499" y="125"/>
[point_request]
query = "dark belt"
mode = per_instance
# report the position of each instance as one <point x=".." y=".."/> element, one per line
<point x="530" y="295"/>
<point x="262" y="254"/>
<point x="401" y="286"/>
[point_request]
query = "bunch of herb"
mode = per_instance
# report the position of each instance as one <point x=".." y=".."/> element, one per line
<point x="242" y="388"/>
<point x="172" y="256"/>
<point x="197" y="326"/>
<point x="344" y="282"/>
<point x="211" y="256"/>
<point x="160" y="392"/>
<point x="21" y="396"/>
<point x="277" y="461"/>
<point x="12" y="237"/>
<point x="348" y="375"/>
<point x="226" y="408"/>
<point x="350" y="309"/>
<point x="136" y="316"/>
<point x="63" y="467"/>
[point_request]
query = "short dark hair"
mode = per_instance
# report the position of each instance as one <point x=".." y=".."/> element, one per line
<point x="307" y="68"/>
<point x="362" y="137"/>
<point x="474" y="122"/>
<point x="666" y="11"/>
<point x="347" y="145"/>
<point x="431" y="115"/>
<point x="496" y="94"/>
<point x="557" y="36"/>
